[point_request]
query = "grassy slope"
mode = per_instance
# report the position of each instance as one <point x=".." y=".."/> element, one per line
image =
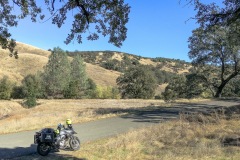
<point x="101" y="76"/>
<point x="32" y="59"/>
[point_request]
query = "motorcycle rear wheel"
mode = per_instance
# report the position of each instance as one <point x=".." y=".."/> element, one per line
<point x="74" y="143"/>
<point x="43" y="149"/>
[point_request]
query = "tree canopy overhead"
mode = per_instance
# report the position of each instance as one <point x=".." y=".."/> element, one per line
<point x="107" y="17"/>
<point x="213" y="14"/>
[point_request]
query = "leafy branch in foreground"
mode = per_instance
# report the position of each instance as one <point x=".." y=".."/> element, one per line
<point x="108" y="17"/>
<point x="212" y="14"/>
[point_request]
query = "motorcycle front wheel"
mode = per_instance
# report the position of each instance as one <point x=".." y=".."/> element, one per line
<point x="43" y="149"/>
<point x="74" y="143"/>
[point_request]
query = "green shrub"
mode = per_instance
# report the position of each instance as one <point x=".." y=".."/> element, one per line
<point x="106" y="92"/>
<point x="6" y="88"/>
<point x="30" y="102"/>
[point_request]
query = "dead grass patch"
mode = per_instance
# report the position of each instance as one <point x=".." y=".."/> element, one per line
<point x="173" y="140"/>
<point x="51" y="112"/>
<point x="145" y="61"/>
<point x="118" y="56"/>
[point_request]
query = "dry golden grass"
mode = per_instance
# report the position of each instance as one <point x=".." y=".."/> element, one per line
<point x="31" y="60"/>
<point x="145" y="61"/>
<point x="101" y="76"/>
<point x="160" y="89"/>
<point x="25" y="48"/>
<point x="193" y="100"/>
<point x="118" y="56"/>
<point x="51" y="112"/>
<point x="173" y="140"/>
<point x="7" y="108"/>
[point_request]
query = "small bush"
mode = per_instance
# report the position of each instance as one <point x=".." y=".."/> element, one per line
<point x="106" y="93"/>
<point x="30" y="102"/>
<point x="6" y="88"/>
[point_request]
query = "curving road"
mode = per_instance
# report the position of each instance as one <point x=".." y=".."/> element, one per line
<point x="19" y="144"/>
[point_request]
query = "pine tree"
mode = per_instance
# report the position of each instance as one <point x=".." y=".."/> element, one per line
<point x="31" y="88"/>
<point x="78" y="80"/>
<point x="57" y="74"/>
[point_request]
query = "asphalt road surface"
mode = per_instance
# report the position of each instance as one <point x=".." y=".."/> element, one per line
<point x="19" y="144"/>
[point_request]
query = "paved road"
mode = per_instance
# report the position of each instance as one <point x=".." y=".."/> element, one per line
<point x="18" y="144"/>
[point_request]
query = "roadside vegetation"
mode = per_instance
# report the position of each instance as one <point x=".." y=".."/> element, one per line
<point x="200" y="137"/>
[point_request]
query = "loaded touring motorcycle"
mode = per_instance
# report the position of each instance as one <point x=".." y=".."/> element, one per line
<point x="49" y="139"/>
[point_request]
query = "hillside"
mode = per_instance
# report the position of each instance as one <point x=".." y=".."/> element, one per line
<point x="32" y="59"/>
<point x="120" y="61"/>
<point x="103" y="67"/>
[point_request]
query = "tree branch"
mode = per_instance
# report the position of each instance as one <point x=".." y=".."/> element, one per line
<point x="84" y="10"/>
<point x="53" y="5"/>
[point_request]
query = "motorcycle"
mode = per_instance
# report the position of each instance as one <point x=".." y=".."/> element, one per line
<point x="49" y="139"/>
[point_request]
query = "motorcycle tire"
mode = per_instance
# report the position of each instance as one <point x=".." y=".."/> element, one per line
<point x="74" y="143"/>
<point x="43" y="149"/>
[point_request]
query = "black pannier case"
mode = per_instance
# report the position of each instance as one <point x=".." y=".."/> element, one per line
<point x="47" y="135"/>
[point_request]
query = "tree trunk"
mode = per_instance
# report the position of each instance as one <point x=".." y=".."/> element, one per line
<point x="223" y="84"/>
<point x="219" y="92"/>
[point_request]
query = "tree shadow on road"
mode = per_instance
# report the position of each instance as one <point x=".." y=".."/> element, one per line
<point x="152" y="114"/>
<point x="156" y="114"/>
<point x="29" y="153"/>
<point x="229" y="99"/>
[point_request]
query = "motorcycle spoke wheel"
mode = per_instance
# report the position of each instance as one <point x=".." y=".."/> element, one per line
<point x="43" y="149"/>
<point x="74" y="143"/>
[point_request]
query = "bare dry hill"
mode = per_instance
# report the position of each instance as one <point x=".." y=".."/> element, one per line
<point x="32" y="59"/>
<point x="102" y="76"/>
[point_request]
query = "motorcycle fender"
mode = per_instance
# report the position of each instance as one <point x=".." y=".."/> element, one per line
<point x="36" y="139"/>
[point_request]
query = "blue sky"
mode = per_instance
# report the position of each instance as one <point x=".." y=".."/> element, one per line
<point x="156" y="28"/>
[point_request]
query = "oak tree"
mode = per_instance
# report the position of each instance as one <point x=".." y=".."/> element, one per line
<point x="105" y="17"/>
<point x="215" y="51"/>
<point x="137" y="82"/>
<point x="209" y="14"/>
